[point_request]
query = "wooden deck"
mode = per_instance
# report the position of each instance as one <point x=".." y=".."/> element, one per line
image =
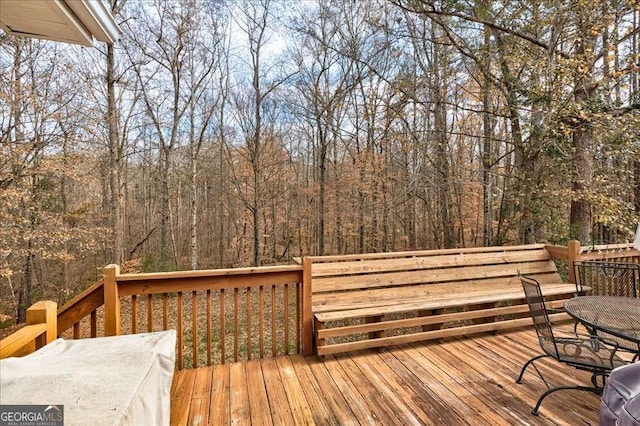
<point x="460" y="381"/>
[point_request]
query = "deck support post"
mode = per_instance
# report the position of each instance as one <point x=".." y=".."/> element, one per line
<point x="573" y="249"/>
<point x="111" y="301"/>
<point x="307" y="311"/>
<point x="45" y="312"/>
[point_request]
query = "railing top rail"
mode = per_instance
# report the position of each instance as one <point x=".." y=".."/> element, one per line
<point x="70" y="304"/>
<point x="606" y="247"/>
<point x="12" y="344"/>
<point x="203" y="273"/>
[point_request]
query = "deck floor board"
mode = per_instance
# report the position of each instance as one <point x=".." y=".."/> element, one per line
<point x="456" y="381"/>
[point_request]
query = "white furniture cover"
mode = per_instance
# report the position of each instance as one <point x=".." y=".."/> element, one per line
<point x="118" y="380"/>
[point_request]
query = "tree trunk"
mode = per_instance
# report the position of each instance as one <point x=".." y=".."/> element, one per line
<point x="115" y="162"/>
<point x="580" y="219"/>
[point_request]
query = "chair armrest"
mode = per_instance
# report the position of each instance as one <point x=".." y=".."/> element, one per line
<point x="585" y="338"/>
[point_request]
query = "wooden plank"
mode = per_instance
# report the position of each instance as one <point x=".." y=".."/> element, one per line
<point x="429" y="405"/>
<point x="285" y="292"/>
<point x="181" y="405"/>
<point x="418" y="253"/>
<point x="149" y="313"/>
<point x="443" y="302"/>
<point x="194" y="328"/>
<point x="437" y="388"/>
<point x="351" y="393"/>
<point x="274" y="322"/>
<point x="393" y="295"/>
<point x="261" y="320"/>
<point x="209" y="334"/>
<point x="134" y="314"/>
<point x="175" y="409"/>
<point x="443" y="374"/>
<point x="333" y="396"/>
<point x="26" y="336"/>
<point x="315" y="395"/>
<point x="258" y="400"/>
<point x="427" y="262"/>
<point x="427" y="276"/>
<point x="382" y="409"/>
<point x="389" y="397"/>
<point x="219" y="412"/>
<point x="427" y="320"/>
<point x="238" y="394"/>
<point x="278" y="403"/>
<point x="248" y="308"/>
<point x="300" y="409"/>
<point x="223" y="331"/>
<point x="164" y="282"/>
<point x="201" y="397"/>
<point x="165" y="311"/>
<point x="429" y="335"/>
<point x="179" y="328"/>
<point x="307" y="309"/>
<point x="236" y="334"/>
<point x="212" y="273"/>
<point x="93" y="320"/>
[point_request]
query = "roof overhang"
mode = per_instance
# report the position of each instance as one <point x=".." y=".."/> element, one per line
<point x="70" y="21"/>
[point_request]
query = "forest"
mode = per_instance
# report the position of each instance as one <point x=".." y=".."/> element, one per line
<point x="224" y="134"/>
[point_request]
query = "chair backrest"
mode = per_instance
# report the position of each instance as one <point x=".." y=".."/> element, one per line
<point x="606" y="278"/>
<point x="539" y="314"/>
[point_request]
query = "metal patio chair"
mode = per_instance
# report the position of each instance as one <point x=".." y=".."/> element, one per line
<point x="604" y="278"/>
<point x="583" y="352"/>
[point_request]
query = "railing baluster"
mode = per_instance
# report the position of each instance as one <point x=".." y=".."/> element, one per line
<point x="76" y="330"/>
<point x="223" y="332"/>
<point x="261" y="319"/>
<point x="165" y="311"/>
<point x="149" y="313"/>
<point x="248" y="323"/>
<point x="298" y="322"/>
<point x="194" y="327"/>
<point x="286" y="319"/>
<point x="179" y="327"/>
<point x="134" y="314"/>
<point x="209" y="327"/>
<point x="94" y="324"/>
<point x="274" y="337"/>
<point x="235" y="324"/>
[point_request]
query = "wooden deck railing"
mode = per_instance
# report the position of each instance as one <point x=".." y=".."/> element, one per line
<point x="219" y="315"/>
<point x="40" y="330"/>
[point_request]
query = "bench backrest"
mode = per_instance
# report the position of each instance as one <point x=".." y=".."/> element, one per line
<point x="447" y="269"/>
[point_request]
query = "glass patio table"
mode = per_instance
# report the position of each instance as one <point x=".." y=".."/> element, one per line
<point x="612" y="317"/>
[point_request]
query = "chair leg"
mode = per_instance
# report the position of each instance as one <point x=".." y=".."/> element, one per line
<point x="527" y="364"/>
<point x="597" y="391"/>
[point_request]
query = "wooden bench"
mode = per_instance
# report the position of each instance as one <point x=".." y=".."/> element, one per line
<point x="382" y="299"/>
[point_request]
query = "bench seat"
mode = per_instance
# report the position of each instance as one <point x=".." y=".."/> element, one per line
<point x="377" y="300"/>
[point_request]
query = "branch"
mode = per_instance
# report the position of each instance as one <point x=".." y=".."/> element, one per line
<point x="493" y="25"/>
<point x="144" y="240"/>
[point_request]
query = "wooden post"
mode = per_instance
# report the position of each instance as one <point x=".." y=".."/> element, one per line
<point x="111" y="301"/>
<point x="307" y="312"/>
<point x="573" y="249"/>
<point x="45" y="312"/>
